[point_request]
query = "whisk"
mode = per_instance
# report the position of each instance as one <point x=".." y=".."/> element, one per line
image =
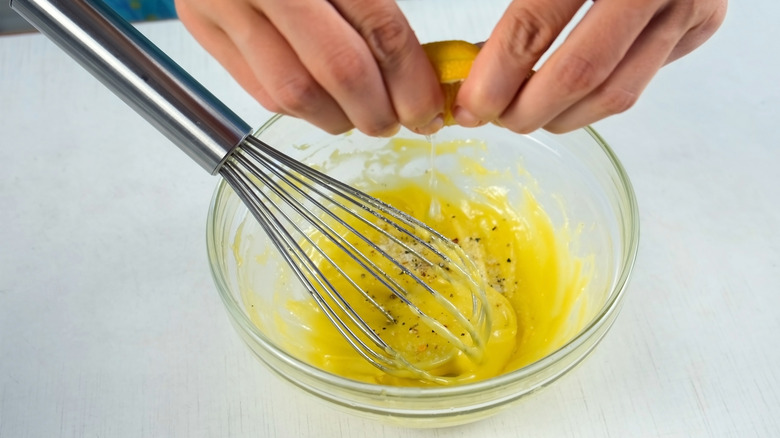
<point x="377" y="273"/>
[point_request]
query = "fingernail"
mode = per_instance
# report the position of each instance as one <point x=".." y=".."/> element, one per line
<point x="465" y="118"/>
<point x="432" y="127"/>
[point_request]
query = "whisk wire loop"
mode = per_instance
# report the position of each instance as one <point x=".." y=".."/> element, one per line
<point x="279" y="163"/>
<point x="298" y="206"/>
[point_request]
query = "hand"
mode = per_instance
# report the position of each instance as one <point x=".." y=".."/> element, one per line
<point x="600" y="69"/>
<point x="336" y="63"/>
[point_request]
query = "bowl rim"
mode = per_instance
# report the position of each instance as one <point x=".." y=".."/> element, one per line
<point x="603" y="316"/>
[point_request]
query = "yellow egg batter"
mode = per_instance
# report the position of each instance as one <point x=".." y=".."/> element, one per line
<point x="535" y="298"/>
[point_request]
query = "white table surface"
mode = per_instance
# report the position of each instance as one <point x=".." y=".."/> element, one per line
<point x="110" y="324"/>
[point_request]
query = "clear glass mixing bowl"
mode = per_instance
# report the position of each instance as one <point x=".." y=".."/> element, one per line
<point x="575" y="177"/>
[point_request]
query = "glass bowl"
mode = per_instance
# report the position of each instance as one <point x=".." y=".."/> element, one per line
<point x="575" y="177"/>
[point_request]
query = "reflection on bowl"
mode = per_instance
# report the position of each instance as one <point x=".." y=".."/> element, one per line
<point x="576" y="180"/>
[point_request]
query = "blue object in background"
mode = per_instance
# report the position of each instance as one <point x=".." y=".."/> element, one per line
<point x="143" y="10"/>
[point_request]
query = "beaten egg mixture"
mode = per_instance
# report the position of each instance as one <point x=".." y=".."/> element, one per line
<point x="534" y="285"/>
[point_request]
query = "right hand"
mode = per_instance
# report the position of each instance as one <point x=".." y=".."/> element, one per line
<point x="338" y="64"/>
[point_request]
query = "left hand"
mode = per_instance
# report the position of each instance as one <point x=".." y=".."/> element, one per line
<point x="600" y="69"/>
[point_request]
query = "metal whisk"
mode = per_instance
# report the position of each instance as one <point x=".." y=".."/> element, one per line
<point x="377" y="273"/>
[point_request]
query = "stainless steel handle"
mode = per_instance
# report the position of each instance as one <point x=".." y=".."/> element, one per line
<point x="141" y="74"/>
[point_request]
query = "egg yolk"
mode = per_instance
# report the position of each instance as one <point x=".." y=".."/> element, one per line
<point x="535" y="284"/>
<point x="534" y="287"/>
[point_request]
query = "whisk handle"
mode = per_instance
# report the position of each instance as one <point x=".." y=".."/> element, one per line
<point x="113" y="51"/>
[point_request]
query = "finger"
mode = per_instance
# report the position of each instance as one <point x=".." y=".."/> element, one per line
<point x="701" y="32"/>
<point x="337" y="58"/>
<point x="408" y="75"/>
<point x="521" y="37"/>
<point x="583" y="62"/>
<point x="622" y="89"/>
<point x="221" y="47"/>
<point x="672" y="33"/>
<point x="283" y="86"/>
<point x="287" y="80"/>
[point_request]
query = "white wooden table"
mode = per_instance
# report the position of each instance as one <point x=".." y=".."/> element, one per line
<point x="110" y="324"/>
